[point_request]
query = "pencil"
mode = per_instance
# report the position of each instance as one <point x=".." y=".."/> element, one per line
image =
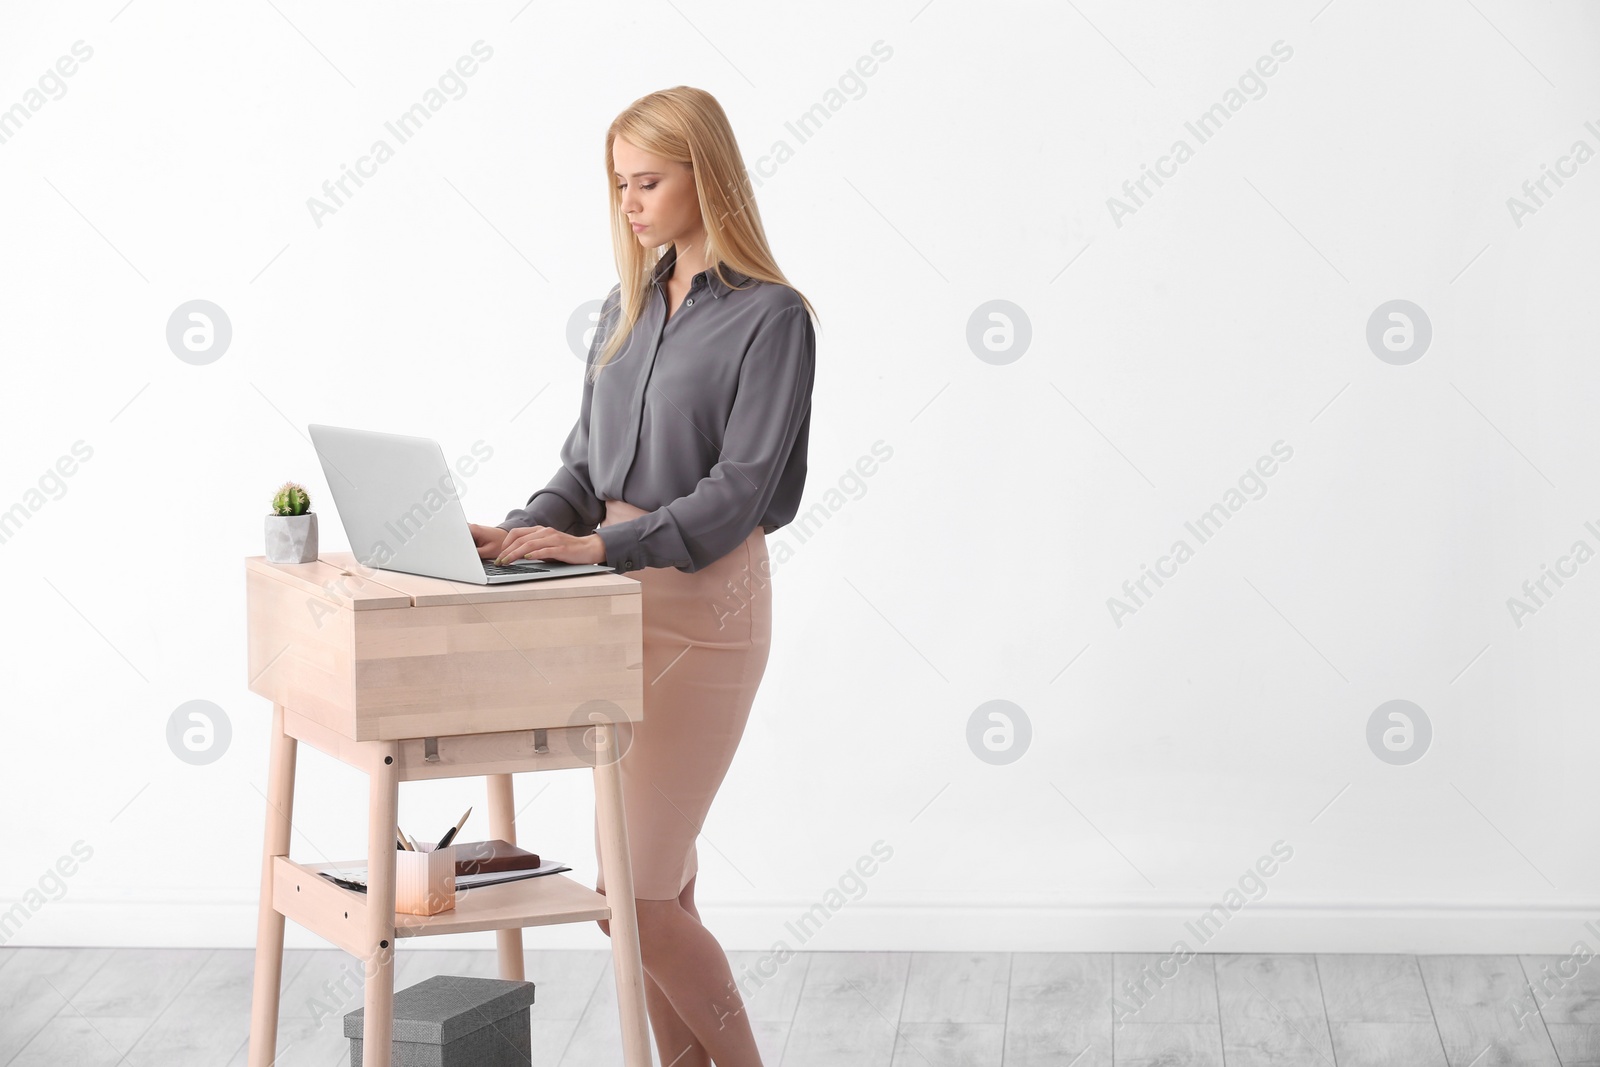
<point x="450" y="834"/>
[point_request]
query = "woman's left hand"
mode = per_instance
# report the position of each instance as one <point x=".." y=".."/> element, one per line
<point x="544" y="542"/>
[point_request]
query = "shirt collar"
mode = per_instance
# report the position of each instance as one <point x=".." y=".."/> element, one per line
<point x="664" y="266"/>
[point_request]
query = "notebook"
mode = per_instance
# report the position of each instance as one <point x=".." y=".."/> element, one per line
<point x="495" y="854"/>
<point x="352" y="876"/>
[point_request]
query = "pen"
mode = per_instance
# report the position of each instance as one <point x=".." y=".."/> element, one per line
<point x="400" y="841"/>
<point x="450" y="834"/>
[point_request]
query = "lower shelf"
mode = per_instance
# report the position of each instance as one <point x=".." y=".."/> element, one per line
<point x="339" y="915"/>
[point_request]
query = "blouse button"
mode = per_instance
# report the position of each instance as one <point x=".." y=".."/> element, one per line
<point x="689" y="302"/>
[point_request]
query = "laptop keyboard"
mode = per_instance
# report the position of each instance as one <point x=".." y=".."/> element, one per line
<point x="531" y="565"/>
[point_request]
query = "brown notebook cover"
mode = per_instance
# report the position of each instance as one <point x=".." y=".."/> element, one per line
<point x="485" y="857"/>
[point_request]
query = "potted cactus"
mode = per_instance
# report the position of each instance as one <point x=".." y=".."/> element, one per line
<point x="292" y="526"/>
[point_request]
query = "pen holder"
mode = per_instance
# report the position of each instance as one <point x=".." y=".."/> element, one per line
<point x="425" y="881"/>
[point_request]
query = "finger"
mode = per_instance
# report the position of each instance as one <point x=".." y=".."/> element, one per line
<point x="538" y="547"/>
<point x="527" y="546"/>
<point x="512" y="537"/>
<point x="489" y="540"/>
<point x="517" y="533"/>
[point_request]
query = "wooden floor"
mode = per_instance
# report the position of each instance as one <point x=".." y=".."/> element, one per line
<point x="179" y="1007"/>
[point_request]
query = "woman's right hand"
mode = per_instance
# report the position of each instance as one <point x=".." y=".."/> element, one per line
<point x="488" y="539"/>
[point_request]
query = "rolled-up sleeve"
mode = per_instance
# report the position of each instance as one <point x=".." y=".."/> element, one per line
<point x="569" y="502"/>
<point x="772" y="404"/>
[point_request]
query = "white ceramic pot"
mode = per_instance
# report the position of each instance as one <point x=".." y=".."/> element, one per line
<point x="292" y="538"/>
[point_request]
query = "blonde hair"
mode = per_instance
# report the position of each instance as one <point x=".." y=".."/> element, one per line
<point x="685" y="125"/>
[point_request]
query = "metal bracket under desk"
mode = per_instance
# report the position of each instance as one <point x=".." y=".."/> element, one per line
<point x="459" y="755"/>
<point x="430" y="746"/>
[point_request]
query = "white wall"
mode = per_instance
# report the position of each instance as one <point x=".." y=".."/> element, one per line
<point x="1169" y="351"/>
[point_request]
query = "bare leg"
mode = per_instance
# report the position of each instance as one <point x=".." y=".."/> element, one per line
<point x="687" y="974"/>
<point x="674" y="1040"/>
<point x="682" y="957"/>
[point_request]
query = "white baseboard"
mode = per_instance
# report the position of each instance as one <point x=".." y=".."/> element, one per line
<point x="1044" y="927"/>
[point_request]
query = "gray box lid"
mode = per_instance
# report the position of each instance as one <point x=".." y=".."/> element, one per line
<point x="440" y="1009"/>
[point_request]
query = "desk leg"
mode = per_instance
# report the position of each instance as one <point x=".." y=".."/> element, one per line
<point x="503" y="825"/>
<point x="269" y="923"/>
<point x="383" y="811"/>
<point x="624" y="922"/>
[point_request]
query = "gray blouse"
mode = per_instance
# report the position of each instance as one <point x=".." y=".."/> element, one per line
<point x="701" y="419"/>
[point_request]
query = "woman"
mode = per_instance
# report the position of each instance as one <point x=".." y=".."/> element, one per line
<point x="690" y="447"/>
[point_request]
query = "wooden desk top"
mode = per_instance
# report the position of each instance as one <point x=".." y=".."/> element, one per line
<point x="339" y="578"/>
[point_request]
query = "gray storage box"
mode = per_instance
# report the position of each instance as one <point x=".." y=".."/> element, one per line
<point x="453" y="1021"/>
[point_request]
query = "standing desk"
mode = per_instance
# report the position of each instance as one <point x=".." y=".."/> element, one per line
<point x="406" y="678"/>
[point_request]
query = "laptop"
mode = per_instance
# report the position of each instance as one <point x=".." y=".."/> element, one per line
<point x="400" y="509"/>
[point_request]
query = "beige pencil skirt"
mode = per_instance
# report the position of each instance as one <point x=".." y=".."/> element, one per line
<point x="706" y="639"/>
